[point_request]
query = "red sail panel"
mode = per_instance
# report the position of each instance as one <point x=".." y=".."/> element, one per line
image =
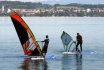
<point x="26" y="37"/>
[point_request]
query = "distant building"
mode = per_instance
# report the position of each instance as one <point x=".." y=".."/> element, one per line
<point x="8" y="10"/>
<point x="88" y="10"/>
<point x="2" y="9"/>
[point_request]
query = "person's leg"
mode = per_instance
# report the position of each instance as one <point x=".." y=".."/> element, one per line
<point x="81" y="46"/>
<point x="77" y="46"/>
<point x="45" y="50"/>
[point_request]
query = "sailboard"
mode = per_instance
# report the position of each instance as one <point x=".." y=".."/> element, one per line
<point x="83" y="52"/>
<point x="46" y="57"/>
<point x="28" y="41"/>
<point x="68" y="43"/>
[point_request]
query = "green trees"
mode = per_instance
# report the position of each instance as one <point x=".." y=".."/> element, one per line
<point x="23" y="5"/>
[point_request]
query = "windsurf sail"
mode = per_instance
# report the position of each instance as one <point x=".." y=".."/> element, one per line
<point x="68" y="42"/>
<point x="28" y="41"/>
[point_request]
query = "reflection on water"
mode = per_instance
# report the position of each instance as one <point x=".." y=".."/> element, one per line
<point x="5" y="19"/>
<point x="79" y="61"/>
<point x="72" y="62"/>
<point x="29" y="64"/>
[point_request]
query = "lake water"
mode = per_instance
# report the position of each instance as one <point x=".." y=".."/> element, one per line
<point x="91" y="29"/>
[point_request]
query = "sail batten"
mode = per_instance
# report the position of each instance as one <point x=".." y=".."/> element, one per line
<point x="26" y="37"/>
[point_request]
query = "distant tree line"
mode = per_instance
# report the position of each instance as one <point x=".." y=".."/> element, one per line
<point x="87" y="5"/>
<point x="34" y="5"/>
<point x="22" y="5"/>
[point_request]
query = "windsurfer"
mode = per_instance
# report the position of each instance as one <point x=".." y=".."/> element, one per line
<point x="45" y="47"/>
<point x="79" y="41"/>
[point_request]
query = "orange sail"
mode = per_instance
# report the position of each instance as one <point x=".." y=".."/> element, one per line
<point x="29" y="44"/>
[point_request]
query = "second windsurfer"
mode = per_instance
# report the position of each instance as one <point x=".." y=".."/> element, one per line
<point x="79" y="41"/>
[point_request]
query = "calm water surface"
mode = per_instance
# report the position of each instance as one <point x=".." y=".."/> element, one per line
<point x="91" y="29"/>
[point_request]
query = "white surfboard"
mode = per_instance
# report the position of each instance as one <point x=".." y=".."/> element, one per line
<point x="41" y="58"/>
<point x="69" y="52"/>
<point x="37" y="58"/>
<point x="84" y="52"/>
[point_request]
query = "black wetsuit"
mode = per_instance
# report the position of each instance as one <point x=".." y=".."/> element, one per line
<point x="44" y="50"/>
<point x="79" y="41"/>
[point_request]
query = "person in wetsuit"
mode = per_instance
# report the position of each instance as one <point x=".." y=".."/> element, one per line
<point x="79" y="41"/>
<point x="45" y="47"/>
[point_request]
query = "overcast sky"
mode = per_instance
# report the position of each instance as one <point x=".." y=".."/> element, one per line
<point x="63" y="1"/>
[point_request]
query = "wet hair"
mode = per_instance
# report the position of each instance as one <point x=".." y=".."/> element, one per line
<point x="77" y="33"/>
<point x="46" y="36"/>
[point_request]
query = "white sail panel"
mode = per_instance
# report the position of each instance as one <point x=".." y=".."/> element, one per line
<point x="66" y="39"/>
<point x="68" y="43"/>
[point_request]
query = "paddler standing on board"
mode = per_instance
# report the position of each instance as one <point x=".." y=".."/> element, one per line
<point x="45" y="47"/>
